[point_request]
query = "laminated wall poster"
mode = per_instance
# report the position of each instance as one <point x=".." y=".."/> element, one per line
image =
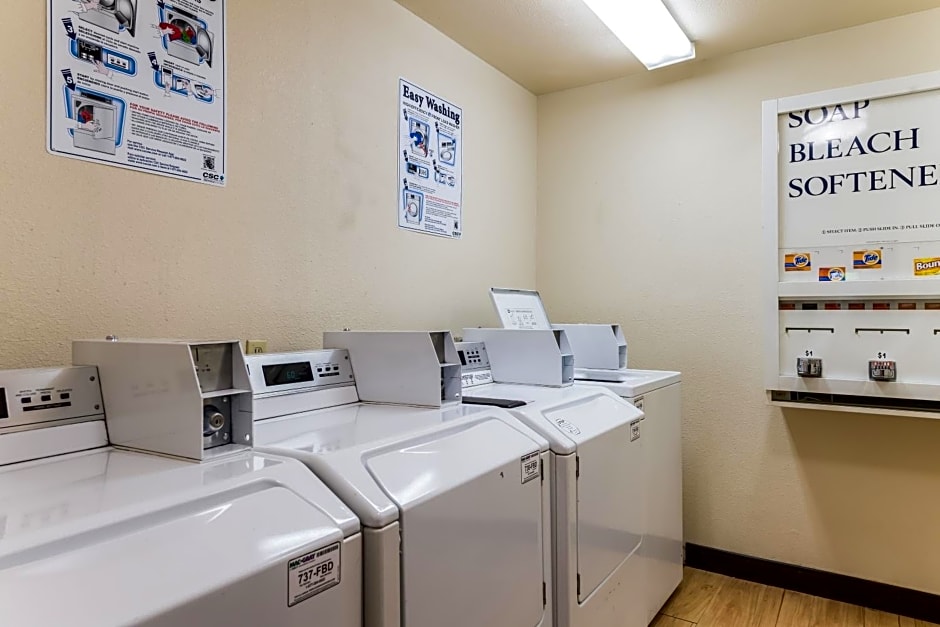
<point x="430" y="163"/>
<point x="139" y="84"/>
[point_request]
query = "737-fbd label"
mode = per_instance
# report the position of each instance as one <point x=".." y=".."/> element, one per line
<point x="530" y="467"/>
<point x="313" y="573"/>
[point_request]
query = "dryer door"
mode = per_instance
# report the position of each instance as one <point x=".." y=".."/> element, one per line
<point x="610" y="508"/>
<point x="471" y="527"/>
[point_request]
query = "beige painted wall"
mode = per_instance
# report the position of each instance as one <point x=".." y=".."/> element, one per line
<point x="650" y="214"/>
<point x="305" y="237"/>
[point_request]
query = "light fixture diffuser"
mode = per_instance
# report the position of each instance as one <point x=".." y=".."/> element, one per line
<point x="647" y="28"/>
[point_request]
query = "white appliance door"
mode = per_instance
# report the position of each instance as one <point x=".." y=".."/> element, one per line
<point x="610" y="489"/>
<point x="228" y="558"/>
<point x="105" y="115"/>
<point x="471" y="527"/>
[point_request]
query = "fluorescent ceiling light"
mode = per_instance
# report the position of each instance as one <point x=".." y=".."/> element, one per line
<point x="647" y="28"/>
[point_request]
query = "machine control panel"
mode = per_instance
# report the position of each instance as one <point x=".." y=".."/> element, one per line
<point x="474" y="363"/>
<point x="172" y="397"/>
<point x="809" y="367"/>
<point x="883" y="370"/>
<point x="281" y="372"/>
<point x="43" y="395"/>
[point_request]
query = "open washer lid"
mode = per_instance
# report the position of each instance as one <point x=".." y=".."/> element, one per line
<point x="471" y="519"/>
<point x="520" y="309"/>
<point x="129" y="538"/>
<point x="602" y="430"/>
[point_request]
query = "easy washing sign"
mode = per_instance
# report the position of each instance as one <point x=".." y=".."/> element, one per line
<point x="430" y="163"/>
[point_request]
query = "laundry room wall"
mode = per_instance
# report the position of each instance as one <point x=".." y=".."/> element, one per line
<point x="650" y="215"/>
<point x="305" y="236"/>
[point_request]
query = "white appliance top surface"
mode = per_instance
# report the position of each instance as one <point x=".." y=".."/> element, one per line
<point x="136" y="535"/>
<point x="566" y="416"/>
<point x="78" y="489"/>
<point x="338" y="443"/>
<point x="628" y="383"/>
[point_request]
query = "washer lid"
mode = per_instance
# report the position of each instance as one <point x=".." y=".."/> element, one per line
<point x="628" y="383"/>
<point x="336" y="442"/>
<point x="520" y="309"/>
<point x="566" y="417"/>
<point x="471" y="526"/>
<point x="136" y="537"/>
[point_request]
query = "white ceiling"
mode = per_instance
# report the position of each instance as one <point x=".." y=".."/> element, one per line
<point x="549" y="45"/>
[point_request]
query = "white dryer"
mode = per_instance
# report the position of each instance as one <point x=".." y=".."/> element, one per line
<point x="659" y="395"/>
<point x="600" y="359"/>
<point x="596" y="460"/>
<point x="453" y="500"/>
<point x="131" y="538"/>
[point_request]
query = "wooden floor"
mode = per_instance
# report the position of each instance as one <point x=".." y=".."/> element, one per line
<point x="710" y="600"/>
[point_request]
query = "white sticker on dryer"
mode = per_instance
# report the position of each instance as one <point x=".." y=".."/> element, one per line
<point x="634" y="430"/>
<point x="313" y="573"/>
<point x="530" y="467"/>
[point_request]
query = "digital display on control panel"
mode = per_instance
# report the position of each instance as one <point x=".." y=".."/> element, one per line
<point x="287" y="374"/>
<point x="4" y="412"/>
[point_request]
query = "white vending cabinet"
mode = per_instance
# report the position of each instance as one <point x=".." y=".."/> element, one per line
<point x="596" y="460"/>
<point x="130" y="538"/>
<point x="453" y="500"/>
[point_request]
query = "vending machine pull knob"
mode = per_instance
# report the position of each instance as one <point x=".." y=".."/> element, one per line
<point x="809" y="367"/>
<point x="882" y="370"/>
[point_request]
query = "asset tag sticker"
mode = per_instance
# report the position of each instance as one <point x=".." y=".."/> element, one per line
<point x="634" y="430"/>
<point x="313" y="573"/>
<point x="530" y="467"/>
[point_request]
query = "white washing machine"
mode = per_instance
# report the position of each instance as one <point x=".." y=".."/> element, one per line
<point x="596" y="458"/>
<point x="93" y="535"/>
<point x="454" y="501"/>
<point x="659" y="395"/>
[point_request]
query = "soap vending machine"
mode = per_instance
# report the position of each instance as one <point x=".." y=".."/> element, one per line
<point x="852" y="261"/>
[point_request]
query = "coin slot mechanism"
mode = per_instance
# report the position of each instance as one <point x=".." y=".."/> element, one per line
<point x="809" y="367"/>
<point x="882" y="370"/>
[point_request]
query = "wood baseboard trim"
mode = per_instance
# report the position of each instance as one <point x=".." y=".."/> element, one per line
<point x="877" y="596"/>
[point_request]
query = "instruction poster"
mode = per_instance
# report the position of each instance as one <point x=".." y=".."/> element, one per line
<point x="430" y="166"/>
<point x="139" y="84"/>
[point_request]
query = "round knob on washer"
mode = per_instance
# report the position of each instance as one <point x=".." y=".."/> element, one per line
<point x="213" y="420"/>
